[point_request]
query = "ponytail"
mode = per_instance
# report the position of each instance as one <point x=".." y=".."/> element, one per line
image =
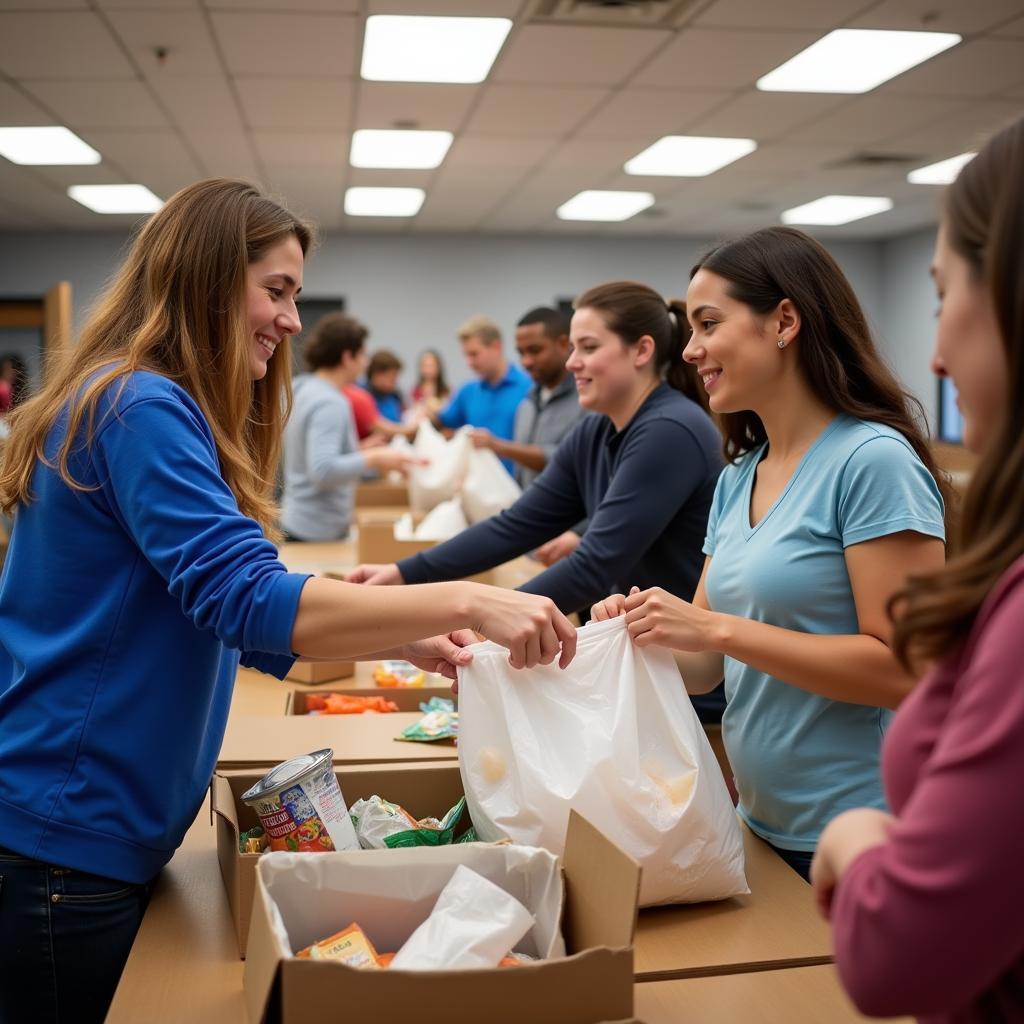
<point x="680" y="374"/>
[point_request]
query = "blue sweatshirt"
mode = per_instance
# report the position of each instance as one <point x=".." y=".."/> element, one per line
<point x="122" y="612"/>
<point x="646" y="491"/>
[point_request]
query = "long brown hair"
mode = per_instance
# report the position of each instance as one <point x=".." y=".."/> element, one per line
<point x="984" y="224"/>
<point x="836" y="353"/>
<point x="176" y="307"/>
<point x="632" y="310"/>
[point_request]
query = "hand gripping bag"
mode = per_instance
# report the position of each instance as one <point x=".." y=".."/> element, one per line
<point x="446" y="465"/>
<point x="488" y="488"/>
<point x="613" y="736"/>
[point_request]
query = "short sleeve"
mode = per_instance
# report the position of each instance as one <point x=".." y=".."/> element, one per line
<point x="884" y="489"/>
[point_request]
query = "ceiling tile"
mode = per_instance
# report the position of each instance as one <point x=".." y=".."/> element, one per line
<point x="449" y="8"/>
<point x="975" y="68"/>
<point x="199" y="104"/>
<point x="763" y="115"/>
<point x="93" y="104"/>
<point x="59" y="44"/>
<point x="324" y="44"/>
<point x="533" y="110"/>
<point x="964" y="128"/>
<point x="226" y="153"/>
<point x="721" y="59"/>
<point x="650" y="113"/>
<point x="431" y="106"/>
<point x="927" y="15"/>
<point x="144" y="5"/>
<point x="292" y="6"/>
<point x="18" y="109"/>
<point x="320" y="149"/>
<point x="1012" y="29"/>
<point x="779" y="14"/>
<point x="575" y="55"/>
<point x="185" y="35"/>
<point x="493" y="153"/>
<point x="141" y="153"/>
<point x="381" y="178"/>
<point x="296" y="104"/>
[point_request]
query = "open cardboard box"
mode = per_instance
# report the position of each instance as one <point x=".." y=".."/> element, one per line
<point x="376" y="543"/>
<point x="408" y="698"/>
<point x="592" y="983"/>
<point x="423" y="789"/>
<point x="381" y="494"/>
<point x="321" y="671"/>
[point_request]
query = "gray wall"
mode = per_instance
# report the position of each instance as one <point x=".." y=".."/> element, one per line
<point x="414" y="291"/>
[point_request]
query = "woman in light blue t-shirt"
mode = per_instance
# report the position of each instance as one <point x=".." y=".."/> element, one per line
<point x="830" y="501"/>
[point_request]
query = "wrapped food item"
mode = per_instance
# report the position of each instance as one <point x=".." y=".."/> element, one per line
<point x="299" y="804"/>
<point x="474" y="924"/>
<point x="348" y="704"/>
<point x="440" y="722"/>
<point x="397" y="674"/>
<point x="381" y="825"/>
<point x="254" y="840"/>
<point x="350" y="946"/>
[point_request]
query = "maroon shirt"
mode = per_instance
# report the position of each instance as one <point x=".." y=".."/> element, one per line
<point x="931" y="923"/>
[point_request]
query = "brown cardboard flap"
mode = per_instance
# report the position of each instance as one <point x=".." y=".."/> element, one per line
<point x="594" y="864"/>
<point x="223" y="801"/>
<point x="262" y="962"/>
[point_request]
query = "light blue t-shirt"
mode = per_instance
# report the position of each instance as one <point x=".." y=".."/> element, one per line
<point x="799" y="758"/>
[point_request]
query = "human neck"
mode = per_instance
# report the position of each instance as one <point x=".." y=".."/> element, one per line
<point x="625" y="410"/>
<point x="793" y="418"/>
<point x="497" y="374"/>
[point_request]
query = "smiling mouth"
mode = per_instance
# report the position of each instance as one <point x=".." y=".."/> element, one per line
<point x="267" y="344"/>
<point x="709" y="377"/>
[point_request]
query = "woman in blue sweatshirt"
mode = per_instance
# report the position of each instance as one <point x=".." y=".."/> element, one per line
<point x="642" y="473"/>
<point x="139" y="574"/>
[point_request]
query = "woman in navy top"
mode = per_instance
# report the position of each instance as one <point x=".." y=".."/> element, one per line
<point x="140" y="573"/>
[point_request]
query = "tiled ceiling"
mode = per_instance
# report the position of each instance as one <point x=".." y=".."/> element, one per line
<point x="270" y="90"/>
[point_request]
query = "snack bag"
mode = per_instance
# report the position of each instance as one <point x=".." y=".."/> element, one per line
<point x="390" y="674"/>
<point x="440" y="722"/>
<point x="382" y="825"/>
<point x="350" y="946"/>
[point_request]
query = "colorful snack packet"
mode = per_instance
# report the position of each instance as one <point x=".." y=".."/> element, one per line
<point x="350" y="946"/>
<point x="441" y="722"/>
<point x="381" y="825"/>
<point x="397" y="674"/>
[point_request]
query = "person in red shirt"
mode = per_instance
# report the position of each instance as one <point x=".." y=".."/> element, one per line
<point x="926" y="903"/>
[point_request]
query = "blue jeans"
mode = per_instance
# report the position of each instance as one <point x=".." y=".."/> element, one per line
<point x="798" y="860"/>
<point x="64" y="938"/>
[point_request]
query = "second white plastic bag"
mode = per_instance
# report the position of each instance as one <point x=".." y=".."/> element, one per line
<point x="446" y="464"/>
<point x="615" y="737"/>
<point x="488" y="488"/>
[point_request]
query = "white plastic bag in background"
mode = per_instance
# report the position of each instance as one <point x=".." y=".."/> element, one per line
<point x="488" y="488"/>
<point x="441" y="478"/>
<point x="615" y="737"/>
<point x="473" y="925"/>
<point x="402" y="444"/>
<point x="442" y="522"/>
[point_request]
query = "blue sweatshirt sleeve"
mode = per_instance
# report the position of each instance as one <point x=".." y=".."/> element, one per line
<point x="642" y="499"/>
<point x="159" y="471"/>
<point x="453" y="415"/>
<point x="550" y="506"/>
<point x="328" y="466"/>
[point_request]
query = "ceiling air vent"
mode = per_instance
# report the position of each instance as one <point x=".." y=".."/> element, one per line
<point x="894" y="160"/>
<point x="609" y="12"/>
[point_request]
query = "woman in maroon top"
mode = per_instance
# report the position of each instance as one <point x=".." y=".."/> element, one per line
<point x="927" y="905"/>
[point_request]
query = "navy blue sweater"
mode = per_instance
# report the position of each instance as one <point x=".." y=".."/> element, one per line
<point x="646" y="491"/>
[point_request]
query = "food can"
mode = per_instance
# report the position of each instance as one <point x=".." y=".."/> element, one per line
<point x="300" y="806"/>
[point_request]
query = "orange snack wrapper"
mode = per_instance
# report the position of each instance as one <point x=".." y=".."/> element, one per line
<point x="349" y="946"/>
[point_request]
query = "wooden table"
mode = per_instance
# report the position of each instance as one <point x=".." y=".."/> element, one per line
<point x="798" y="995"/>
<point x="776" y="925"/>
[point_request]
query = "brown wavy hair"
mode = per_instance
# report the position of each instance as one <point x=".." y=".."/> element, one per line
<point x="984" y="223"/>
<point x="175" y="307"/>
<point x="836" y="353"/>
<point x="632" y="310"/>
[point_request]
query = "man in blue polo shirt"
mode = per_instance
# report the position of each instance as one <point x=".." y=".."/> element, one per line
<point x="490" y="401"/>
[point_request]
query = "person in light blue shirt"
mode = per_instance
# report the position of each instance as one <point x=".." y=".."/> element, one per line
<point x="140" y="575"/>
<point x="831" y="499"/>
<point x="491" y="401"/>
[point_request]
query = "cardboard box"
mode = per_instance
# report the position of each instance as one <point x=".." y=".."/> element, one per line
<point x="262" y="742"/>
<point x="321" y="671"/>
<point x="593" y="983"/>
<point x="407" y="698"/>
<point x="381" y="494"/>
<point x="423" y="789"/>
<point x="376" y="544"/>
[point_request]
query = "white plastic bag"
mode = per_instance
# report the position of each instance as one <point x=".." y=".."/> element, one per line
<point x="615" y="737"/>
<point x="441" y="523"/>
<point x="473" y="925"/>
<point x="402" y="444"/>
<point x="488" y="488"/>
<point x="446" y="465"/>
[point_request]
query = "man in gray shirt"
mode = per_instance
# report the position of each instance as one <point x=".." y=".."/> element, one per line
<point x="548" y="412"/>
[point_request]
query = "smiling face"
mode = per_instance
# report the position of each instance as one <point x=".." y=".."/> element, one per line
<point x="735" y="352"/>
<point x="273" y="283"/>
<point x="968" y="347"/>
<point x="541" y="356"/>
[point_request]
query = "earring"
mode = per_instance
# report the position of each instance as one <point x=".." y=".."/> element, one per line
<point x="781" y="343"/>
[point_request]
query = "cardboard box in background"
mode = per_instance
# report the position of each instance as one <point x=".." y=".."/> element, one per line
<point x="593" y="983"/>
<point x="321" y="671"/>
<point x="408" y="698"/>
<point x="380" y="494"/>
<point x="423" y="789"/>
<point x="376" y="542"/>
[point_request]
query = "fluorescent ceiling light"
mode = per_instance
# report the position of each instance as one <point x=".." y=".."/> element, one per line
<point x="837" y="209"/>
<point x="397" y="48"/>
<point x="594" y="204"/>
<point x="365" y="201"/>
<point x="689" y="156"/>
<point x="855" y="60"/>
<point x="942" y="173"/>
<point x="45" y="146"/>
<point x="116" y="198"/>
<point x="402" y="149"/>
